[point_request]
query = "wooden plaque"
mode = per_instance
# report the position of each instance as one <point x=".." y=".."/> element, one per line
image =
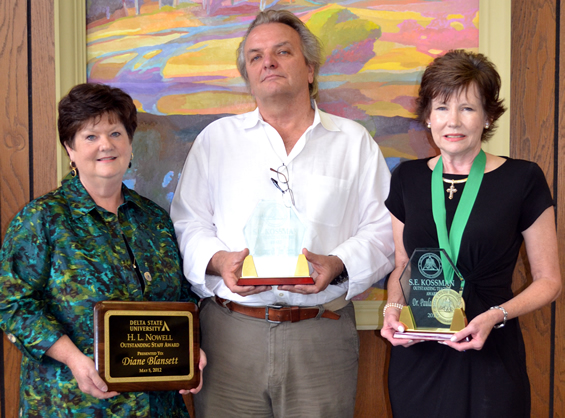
<point x="146" y="346"/>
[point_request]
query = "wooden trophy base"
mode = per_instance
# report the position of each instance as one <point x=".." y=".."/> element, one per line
<point x="249" y="275"/>
<point x="273" y="281"/>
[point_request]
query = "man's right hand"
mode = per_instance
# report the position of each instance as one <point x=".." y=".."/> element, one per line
<point x="229" y="265"/>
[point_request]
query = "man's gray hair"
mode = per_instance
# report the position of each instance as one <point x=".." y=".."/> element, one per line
<point x="310" y="44"/>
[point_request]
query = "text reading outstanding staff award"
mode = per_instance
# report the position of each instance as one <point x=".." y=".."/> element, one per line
<point x="146" y="346"/>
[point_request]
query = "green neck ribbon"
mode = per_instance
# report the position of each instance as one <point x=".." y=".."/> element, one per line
<point x="452" y="243"/>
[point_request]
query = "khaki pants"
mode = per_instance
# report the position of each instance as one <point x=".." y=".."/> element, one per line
<point x="305" y="369"/>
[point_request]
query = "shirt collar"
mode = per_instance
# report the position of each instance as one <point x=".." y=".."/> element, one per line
<point x="326" y="121"/>
<point x="81" y="203"/>
<point x="253" y="118"/>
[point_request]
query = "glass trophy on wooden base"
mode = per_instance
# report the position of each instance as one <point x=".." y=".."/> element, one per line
<point x="274" y="236"/>
<point x="432" y="288"/>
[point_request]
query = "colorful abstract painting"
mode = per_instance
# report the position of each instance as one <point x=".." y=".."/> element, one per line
<point x="177" y="60"/>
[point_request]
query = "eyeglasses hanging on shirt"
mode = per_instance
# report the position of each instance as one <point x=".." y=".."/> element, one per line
<point x="282" y="184"/>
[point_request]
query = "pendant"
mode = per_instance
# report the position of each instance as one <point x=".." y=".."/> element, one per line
<point x="451" y="190"/>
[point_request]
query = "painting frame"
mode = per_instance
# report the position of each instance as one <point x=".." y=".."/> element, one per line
<point x="494" y="41"/>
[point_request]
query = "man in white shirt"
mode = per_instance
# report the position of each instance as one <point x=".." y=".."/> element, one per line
<point x="290" y="350"/>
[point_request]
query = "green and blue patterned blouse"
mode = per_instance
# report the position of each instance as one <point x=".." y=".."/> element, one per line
<point x="62" y="254"/>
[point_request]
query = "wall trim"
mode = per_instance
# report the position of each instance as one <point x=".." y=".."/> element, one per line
<point x="495" y="42"/>
<point x="70" y="58"/>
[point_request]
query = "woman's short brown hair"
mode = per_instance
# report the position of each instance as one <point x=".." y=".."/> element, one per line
<point x="89" y="101"/>
<point x="454" y="72"/>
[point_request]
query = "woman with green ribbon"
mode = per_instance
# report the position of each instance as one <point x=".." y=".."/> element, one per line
<point x="479" y="208"/>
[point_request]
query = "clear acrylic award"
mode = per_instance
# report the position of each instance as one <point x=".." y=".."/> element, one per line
<point x="432" y="288"/>
<point x="274" y="236"/>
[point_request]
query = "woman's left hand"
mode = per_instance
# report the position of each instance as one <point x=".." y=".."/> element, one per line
<point x="474" y="335"/>
<point x="201" y="364"/>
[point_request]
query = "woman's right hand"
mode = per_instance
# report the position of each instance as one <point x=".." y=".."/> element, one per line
<point x="82" y="367"/>
<point x="391" y="322"/>
<point x="87" y="377"/>
<point x="392" y="325"/>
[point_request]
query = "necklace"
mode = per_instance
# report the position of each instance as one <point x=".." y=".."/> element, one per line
<point x="452" y="188"/>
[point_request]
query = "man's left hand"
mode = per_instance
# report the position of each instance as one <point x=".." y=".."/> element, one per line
<point x="326" y="268"/>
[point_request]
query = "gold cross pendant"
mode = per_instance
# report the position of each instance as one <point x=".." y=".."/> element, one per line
<point x="451" y="190"/>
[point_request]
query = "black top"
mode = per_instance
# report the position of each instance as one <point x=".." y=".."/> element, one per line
<point x="432" y="380"/>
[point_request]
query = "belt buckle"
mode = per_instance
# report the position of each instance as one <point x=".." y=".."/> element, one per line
<point x="267" y="313"/>
<point x="321" y="311"/>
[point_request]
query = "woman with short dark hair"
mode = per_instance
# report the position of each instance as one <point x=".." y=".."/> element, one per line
<point x="481" y="371"/>
<point x="90" y="240"/>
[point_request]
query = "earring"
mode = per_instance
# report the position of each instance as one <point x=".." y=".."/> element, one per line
<point x="429" y="125"/>
<point x="74" y="170"/>
<point x="487" y="125"/>
<point x="129" y="166"/>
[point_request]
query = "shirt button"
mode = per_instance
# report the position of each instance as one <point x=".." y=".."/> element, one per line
<point x="147" y="276"/>
<point x="12" y="338"/>
<point x="281" y="294"/>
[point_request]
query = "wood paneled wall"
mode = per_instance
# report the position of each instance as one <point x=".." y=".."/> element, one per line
<point x="28" y="134"/>
<point x="14" y="154"/>
<point x="28" y="169"/>
<point x="532" y="128"/>
<point x="559" y="179"/>
<point x="537" y="106"/>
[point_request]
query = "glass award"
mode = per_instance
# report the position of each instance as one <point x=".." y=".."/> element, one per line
<point x="432" y="288"/>
<point x="274" y="236"/>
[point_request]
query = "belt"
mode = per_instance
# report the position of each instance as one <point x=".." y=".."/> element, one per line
<point x="276" y="313"/>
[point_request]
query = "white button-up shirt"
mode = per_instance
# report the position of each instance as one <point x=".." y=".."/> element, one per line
<point x="339" y="179"/>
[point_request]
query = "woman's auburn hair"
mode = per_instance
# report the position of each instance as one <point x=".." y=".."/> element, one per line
<point x="457" y="71"/>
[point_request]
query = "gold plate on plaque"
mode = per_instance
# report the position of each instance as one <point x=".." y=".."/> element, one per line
<point x="146" y="346"/>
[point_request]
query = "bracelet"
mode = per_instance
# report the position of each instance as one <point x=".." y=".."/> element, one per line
<point x="497" y="326"/>
<point x="392" y="305"/>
